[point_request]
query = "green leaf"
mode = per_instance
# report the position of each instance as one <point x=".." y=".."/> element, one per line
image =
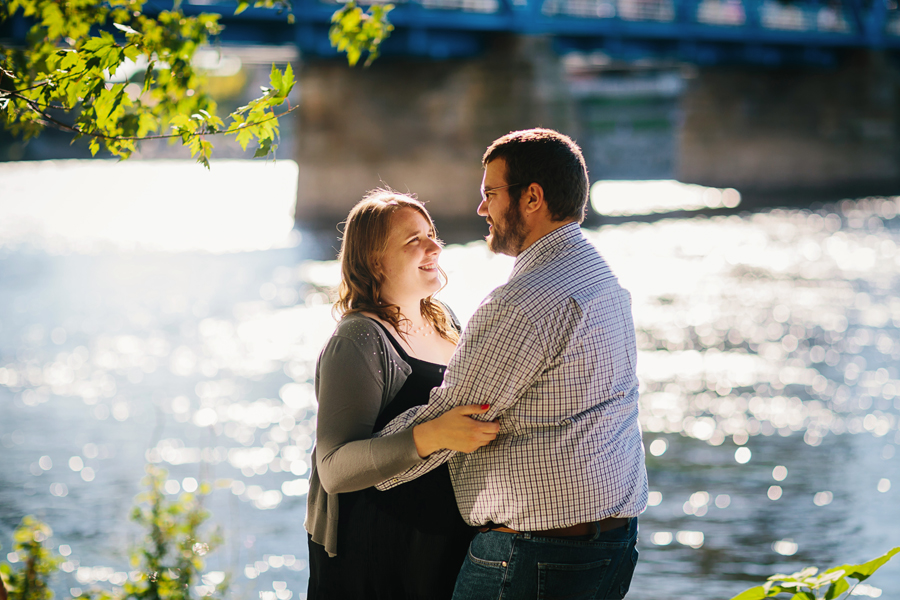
<point x="241" y="7"/>
<point x="754" y="593"/>
<point x="179" y="121"/>
<point x="244" y="135"/>
<point x="836" y="589"/>
<point x="107" y="103"/>
<point x="147" y="123"/>
<point x="265" y="147"/>
<point x="92" y="45"/>
<point x="70" y="60"/>
<point x="126" y="29"/>
<point x="131" y="52"/>
<point x="803" y="596"/>
<point x="275" y="78"/>
<point x="824" y="579"/>
<point x="865" y="570"/>
<point x="148" y="78"/>
<point x="354" y="32"/>
<point x="287" y="82"/>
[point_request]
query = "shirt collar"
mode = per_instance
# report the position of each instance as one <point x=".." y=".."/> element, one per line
<point x="546" y="246"/>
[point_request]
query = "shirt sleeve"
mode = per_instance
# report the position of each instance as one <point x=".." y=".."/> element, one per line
<point x="350" y="392"/>
<point x="498" y="358"/>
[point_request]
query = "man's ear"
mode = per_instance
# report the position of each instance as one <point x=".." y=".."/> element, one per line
<point x="533" y="198"/>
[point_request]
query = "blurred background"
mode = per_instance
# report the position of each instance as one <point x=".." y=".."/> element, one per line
<point x="745" y="165"/>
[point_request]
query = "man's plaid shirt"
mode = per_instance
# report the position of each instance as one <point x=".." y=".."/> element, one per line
<point x="553" y="352"/>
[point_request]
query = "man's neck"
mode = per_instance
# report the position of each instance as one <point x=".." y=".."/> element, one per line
<point x="540" y="230"/>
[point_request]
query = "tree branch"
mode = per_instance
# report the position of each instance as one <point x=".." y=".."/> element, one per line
<point x="56" y="123"/>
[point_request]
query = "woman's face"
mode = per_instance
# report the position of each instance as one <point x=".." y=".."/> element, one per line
<point x="410" y="261"/>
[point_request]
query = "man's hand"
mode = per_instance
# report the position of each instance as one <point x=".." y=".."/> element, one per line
<point x="455" y="430"/>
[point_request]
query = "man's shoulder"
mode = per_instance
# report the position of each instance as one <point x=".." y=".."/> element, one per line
<point x="570" y="266"/>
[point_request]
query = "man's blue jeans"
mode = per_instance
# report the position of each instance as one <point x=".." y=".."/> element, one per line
<point x="509" y="566"/>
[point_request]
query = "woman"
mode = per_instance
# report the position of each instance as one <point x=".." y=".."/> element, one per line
<point x="388" y="351"/>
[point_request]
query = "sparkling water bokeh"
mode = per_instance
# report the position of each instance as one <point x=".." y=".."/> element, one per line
<point x="768" y="363"/>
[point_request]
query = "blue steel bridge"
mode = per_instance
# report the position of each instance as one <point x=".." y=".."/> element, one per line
<point x="705" y="32"/>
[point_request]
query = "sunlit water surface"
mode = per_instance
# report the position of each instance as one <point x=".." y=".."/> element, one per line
<point x="768" y="363"/>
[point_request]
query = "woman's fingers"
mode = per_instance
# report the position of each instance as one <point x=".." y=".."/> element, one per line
<point x="456" y="430"/>
<point x="471" y="433"/>
<point x="472" y="409"/>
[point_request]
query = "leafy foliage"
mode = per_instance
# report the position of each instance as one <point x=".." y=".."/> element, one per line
<point x="808" y="585"/>
<point x="106" y="70"/>
<point x="38" y="562"/>
<point x="282" y="5"/>
<point x="354" y="31"/>
<point x="170" y="559"/>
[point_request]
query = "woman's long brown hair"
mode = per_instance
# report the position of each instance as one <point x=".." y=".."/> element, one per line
<point x="366" y="234"/>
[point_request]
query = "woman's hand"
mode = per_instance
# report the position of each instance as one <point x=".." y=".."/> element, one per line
<point x="455" y="430"/>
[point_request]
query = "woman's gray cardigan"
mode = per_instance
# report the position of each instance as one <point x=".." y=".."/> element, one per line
<point x="358" y="373"/>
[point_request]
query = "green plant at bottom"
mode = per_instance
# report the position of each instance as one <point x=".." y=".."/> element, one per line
<point x="38" y="562"/>
<point x="808" y="585"/>
<point x="169" y="559"/>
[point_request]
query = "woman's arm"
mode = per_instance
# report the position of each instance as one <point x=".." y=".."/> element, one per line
<point x="349" y="392"/>
<point x="348" y="458"/>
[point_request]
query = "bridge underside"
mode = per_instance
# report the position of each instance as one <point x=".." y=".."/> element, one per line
<point x="783" y="134"/>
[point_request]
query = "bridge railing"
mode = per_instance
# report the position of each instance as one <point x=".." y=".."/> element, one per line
<point x="829" y="22"/>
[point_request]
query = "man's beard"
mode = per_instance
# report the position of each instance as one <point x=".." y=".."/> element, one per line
<point x="508" y="237"/>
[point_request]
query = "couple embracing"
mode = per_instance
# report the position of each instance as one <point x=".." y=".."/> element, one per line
<point x="499" y="460"/>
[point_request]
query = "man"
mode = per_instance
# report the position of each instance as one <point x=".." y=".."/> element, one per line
<point x="556" y="496"/>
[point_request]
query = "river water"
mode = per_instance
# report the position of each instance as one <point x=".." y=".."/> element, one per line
<point x="768" y="363"/>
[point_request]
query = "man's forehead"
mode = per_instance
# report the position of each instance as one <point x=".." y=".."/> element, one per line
<point x="495" y="173"/>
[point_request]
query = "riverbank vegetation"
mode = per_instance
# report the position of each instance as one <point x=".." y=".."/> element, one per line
<point x="169" y="560"/>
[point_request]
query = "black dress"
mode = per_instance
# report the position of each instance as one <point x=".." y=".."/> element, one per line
<point x="407" y="543"/>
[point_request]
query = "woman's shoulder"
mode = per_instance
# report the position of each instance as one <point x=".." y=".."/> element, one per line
<point x="359" y="329"/>
<point x="358" y="337"/>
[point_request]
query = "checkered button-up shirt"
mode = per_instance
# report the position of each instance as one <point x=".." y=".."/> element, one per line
<point x="553" y="352"/>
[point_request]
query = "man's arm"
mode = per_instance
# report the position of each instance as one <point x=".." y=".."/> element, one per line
<point x="498" y="357"/>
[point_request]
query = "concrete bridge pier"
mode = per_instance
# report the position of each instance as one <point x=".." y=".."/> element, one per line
<point x="785" y="135"/>
<point x="419" y="125"/>
<point x="790" y="135"/>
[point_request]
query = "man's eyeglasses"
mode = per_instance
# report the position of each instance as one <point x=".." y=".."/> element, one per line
<point x="485" y="192"/>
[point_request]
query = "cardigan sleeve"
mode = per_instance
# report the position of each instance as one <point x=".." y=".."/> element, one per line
<point x="350" y="382"/>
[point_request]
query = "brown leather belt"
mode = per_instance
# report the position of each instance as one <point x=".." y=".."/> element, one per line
<point x="570" y="531"/>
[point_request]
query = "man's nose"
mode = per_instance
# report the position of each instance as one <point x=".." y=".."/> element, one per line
<point x="482" y="209"/>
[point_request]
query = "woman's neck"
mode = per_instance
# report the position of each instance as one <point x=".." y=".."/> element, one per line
<point x="410" y="310"/>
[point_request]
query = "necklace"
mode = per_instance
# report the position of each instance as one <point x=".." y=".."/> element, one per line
<point x="425" y="330"/>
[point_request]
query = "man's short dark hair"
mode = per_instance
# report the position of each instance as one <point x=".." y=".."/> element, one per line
<point x="548" y="158"/>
